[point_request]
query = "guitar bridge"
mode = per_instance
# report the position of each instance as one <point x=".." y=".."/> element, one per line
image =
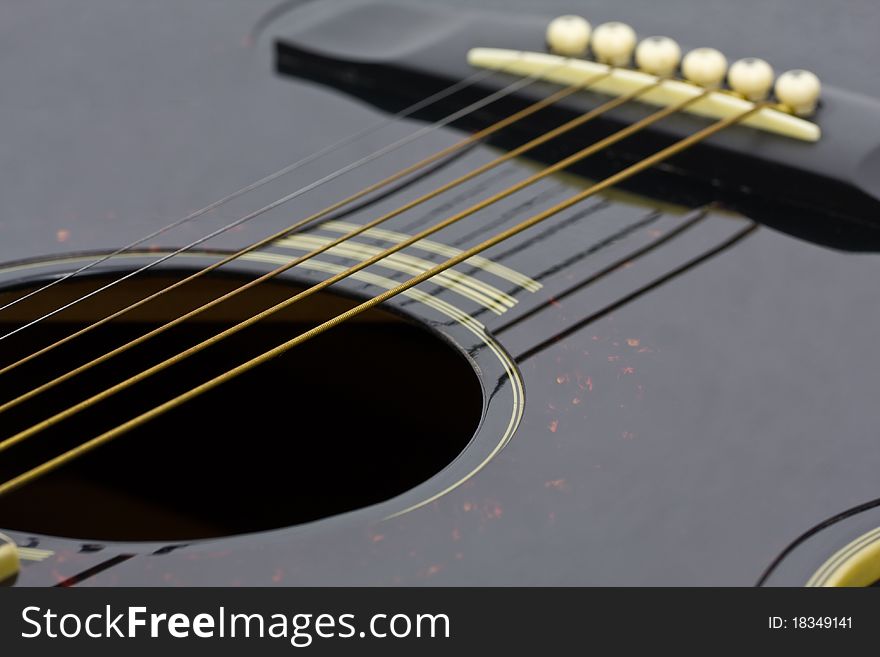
<point x="616" y="81"/>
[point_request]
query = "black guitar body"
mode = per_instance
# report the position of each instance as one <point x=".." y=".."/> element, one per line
<point x="673" y="382"/>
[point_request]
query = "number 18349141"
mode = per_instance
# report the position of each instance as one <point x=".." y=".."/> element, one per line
<point x="809" y="622"/>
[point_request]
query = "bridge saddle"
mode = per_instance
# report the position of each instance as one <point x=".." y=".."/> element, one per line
<point x="656" y="62"/>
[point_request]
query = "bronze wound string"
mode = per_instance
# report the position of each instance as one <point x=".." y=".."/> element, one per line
<point x="524" y="148"/>
<point x="562" y="164"/>
<point x="568" y="161"/>
<point x="598" y="187"/>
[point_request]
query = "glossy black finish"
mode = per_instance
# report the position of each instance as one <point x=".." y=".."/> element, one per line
<point x="687" y="416"/>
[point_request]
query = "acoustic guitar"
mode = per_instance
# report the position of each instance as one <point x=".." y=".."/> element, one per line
<point x="392" y="292"/>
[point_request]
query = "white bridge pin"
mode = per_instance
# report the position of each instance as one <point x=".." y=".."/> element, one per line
<point x="706" y="67"/>
<point x="613" y="43"/>
<point x="799" y="90"/>
<point x="751" y="77"/>
<point x="658" y="55"/>
<point x="569" y="36"/>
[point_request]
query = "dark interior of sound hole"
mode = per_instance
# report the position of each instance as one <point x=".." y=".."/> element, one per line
<point x="353" y="417"/>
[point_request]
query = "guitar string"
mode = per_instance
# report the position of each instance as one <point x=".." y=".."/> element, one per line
<point x="107" y="436"/>
<point x="283" y="171"/>
<point x="481" y="134"/>
<point x="497" y="95"/>
<point x="583" y="153"/>
<point x="565" y="162"/>
<point x="516" y="152"/>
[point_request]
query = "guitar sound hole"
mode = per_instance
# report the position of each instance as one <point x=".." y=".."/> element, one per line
<point x="353" y="417"/>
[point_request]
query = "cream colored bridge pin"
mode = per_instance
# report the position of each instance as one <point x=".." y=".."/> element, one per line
<point x="799" y="91"/>
<point x="706" y="67"/>
<point x="658" y="55"/>
<point x="613" y="43"/>
<point x="751" y="77"/>
<point x="569" y="36"/>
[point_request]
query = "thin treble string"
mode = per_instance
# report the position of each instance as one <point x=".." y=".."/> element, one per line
<point x="534" y="143"/>
<point x="285" y="231"/>
<point x="290" y="168"/>
<point x="127" y="383"/>
<point x="614" y="179"/>
<point x="509" y="89"/>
